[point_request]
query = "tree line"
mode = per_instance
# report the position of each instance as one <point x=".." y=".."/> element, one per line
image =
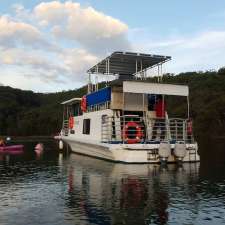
<point x="25" y="113"/>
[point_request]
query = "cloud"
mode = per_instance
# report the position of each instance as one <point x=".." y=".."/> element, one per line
<point x="13" y="33"/>
<point x="78" y="60"/>
<point x="68" y="65"/>
<point x="93" y="30"/>
<point x="35" y="63"/>
<point x="57" y="42"/>
<point x="201" y="51"/>
<point x="54" y="43"/>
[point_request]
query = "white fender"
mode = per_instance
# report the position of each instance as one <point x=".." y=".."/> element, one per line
<point x="180" y="150"/>
<point x="60" y="144"/>
<point x="164" y="150"/>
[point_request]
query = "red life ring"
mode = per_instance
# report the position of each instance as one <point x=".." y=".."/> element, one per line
<point x="84" y="104"/>
<point x="71" y="122"/>
<point x="135" y="138"/>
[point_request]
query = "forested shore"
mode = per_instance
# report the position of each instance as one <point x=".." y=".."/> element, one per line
<point x="25" y="113"/>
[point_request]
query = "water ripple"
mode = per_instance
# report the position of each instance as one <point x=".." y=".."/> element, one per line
<point x="60" y="189"/>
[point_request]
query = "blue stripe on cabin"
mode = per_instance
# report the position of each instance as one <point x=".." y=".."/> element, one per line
<point x="99" y="97"/>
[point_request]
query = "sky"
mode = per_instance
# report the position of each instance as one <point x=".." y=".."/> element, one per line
<point x="47" y="46"/>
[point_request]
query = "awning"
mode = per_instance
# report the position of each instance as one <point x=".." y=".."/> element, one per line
<point x="99" y="97"/>
<point x="71" y="101"/>
<point x="155" y="88"/>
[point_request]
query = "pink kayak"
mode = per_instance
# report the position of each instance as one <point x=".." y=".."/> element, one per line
<point x="12" y="149"/>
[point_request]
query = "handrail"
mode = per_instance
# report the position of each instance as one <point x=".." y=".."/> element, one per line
<point x="173" y="129"/>
<point x="65" y="128"/>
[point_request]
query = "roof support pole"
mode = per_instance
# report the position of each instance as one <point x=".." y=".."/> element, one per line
<point x="89" y="82"/>
<point x="136" y="66"/>
<point x="108" y="65"/>
<point x="158" y="74"/>
<point x="143" y="103"/>
<point x="136" y="69"/>
<point x="144" y="118"/>
<point x="188" y="107"/>
<point x="107" y="70"/>
<point x="123" y="117"/>
<point x="161" y="72"/>
<point x="97" y="79"/>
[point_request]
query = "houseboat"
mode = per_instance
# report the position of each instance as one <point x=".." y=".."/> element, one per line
<point x="127" y="119"/>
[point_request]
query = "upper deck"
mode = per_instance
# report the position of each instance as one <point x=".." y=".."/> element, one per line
<point x="127" y="63"/>
<point x="131" y="87"/>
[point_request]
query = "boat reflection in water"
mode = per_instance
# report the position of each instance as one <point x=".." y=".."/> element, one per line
<point x="108" y="193"/>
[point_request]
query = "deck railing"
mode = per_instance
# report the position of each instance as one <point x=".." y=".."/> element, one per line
<point x="65" y="130"/>
<point x="136" y="129"/>
<point x="98" y="107"/>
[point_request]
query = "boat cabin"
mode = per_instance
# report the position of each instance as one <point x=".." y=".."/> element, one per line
<point x="128" y="109"/>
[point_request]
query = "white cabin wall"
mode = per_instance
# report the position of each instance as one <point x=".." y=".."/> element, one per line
<point x="95" y="125"/>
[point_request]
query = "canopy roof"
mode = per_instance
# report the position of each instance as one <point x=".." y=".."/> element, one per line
<point x="127" y="63"/>
<point x="71" y="101"/>
<point x="155" y="88"/>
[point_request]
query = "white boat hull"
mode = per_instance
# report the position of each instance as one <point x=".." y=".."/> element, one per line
<point x="128" y="153"/>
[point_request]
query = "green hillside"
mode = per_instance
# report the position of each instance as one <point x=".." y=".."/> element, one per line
<point x="24" y="113"/>
<point x="27" y="113"/>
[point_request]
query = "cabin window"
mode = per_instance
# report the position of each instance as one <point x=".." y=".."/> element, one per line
<point x="104" y="119"/>
<point x="86" y="126"/>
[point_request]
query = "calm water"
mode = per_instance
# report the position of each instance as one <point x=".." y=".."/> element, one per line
<point x="56" y="188"/>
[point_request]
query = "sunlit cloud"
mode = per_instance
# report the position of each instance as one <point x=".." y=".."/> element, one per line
<point x="93" y="30"/>
<point x="57" y="42"/>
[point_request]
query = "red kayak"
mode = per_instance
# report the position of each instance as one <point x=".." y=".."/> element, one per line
<point x="12" y="149"/>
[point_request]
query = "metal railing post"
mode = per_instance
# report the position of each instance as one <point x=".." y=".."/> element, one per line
<point x="183" y="126"/>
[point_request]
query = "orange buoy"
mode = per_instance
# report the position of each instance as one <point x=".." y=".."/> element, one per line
<point x="84" y="104"/>
<point x="71" y="122"/>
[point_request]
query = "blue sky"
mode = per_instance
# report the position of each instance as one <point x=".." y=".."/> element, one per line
<point x="48" y="45"/>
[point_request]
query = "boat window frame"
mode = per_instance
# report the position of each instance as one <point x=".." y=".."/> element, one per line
<point x="86" y="126"/>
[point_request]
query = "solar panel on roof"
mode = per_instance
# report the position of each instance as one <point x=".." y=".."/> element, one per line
<point x="127" y="63"/>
